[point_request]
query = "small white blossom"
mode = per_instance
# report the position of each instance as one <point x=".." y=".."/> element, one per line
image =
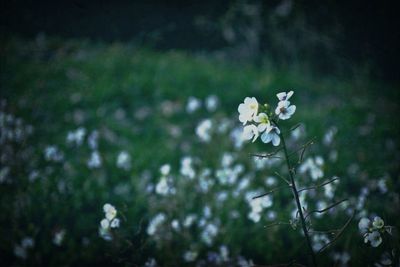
<point x="110" y="211"/>
<point x="94" y="160"/>
<point x="271" y="134"/>
<point x="165" y="169"/>
<point x="193" y="104"/>
<point x="263" y="122"/>
<point x="283" y="96"/>
<point x="250" y="132"/>
<point x="115" y="223"/>
<point x="284" y="110"/>
<point x="364" y="225"/>
<point x="212" y="103"/>
<point x="248" y="109"/>
<point x="374" y="238"/>
<point x="59" y="237"/>
<point x="124" y="160"/>
<point x="203" y="130"/>
<point x="378" y="223"/>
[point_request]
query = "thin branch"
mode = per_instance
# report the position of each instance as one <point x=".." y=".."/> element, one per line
<point x="275" y="224"/>
<point x="318" y="186"/>
<point x="295" y="127"/>
<point x="271" y="191"/>
<point x="268" y="155"/>
<point x="303" y="146"/>
<point x="325" y="209"/>
<point x="283" y="178"/>
<point x="338" y="235"/>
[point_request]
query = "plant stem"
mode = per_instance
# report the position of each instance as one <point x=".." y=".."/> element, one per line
<point x="296" y="196"/>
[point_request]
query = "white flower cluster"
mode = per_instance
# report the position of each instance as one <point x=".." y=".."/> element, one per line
<point x="164" y="186"/>
<point x="372" y="230"/>
<point x="250" y="111"/>
<point x="21" y="250"/>
<point x="124" y="160"/>
<point x="314" y="166"/>
<point x="110" y="221"/>
<point x="257" y="205"/>
<point x="155" y="223"/>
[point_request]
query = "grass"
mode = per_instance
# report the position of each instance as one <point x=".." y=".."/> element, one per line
<point x="58" y="85"/>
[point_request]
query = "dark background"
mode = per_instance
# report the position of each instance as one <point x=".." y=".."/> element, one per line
<point x="348" y="32"/>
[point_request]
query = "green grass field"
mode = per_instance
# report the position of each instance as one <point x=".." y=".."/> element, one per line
<point x="136" y="99"/>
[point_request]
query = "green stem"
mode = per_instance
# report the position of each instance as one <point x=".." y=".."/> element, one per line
<point x="296" y="196"/>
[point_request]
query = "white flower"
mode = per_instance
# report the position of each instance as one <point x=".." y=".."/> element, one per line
<point x="248" y="109"/>
<point x="105" y="224"/>
<point x="165" y="169"/>
<point x="212" y="103"/>
<point x="124" y="160"/>
<point x="378" y="223"/>
<point x="94" y="160"/>
<point x="155" y="223"/>
<point x="271" y="134"/>
<point x="374" y="238"/>
<point x="284" y="110"/>
<point x="250" y="132"/>
<point x="110" y="211"/>
<point x="263" y="121"/>
<point x="364" y="225"/>
<point x="162" y="186"/>
<point x="190" y="256"/>
<point x="115" y="223"/>
<point x="59" y="237"/>
<point x="283" y="96"/>
<point x="193" y="104"/>
<point x="203" y="130"/>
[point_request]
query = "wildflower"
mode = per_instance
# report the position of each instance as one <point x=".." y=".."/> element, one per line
<point x="283" y="96"/>
<point x="115" y="223"/>
<point x="364" y="225"/>
<point x="271" y="134"/>
<point x="212" y="103"/>
<point x="250" y="132"/>
<point x="193" y="104"/>
<point x="162" y="186"/>
<point x="59" y="237"/>
<point x="203" y="130"/>
<point x="374" y="238"/>
<point x="248" y="109"/>
<point x="124" y="160"/>
<point x="165" y="169"/>
<point x="263" y="121"/>
<point x="76" y="136"/>
<point x="378" y="223"/>
<point x="110" y="211"/>
<point x="155" y="223"/>
<point x="94" y="160"/>
<point x="284" y="110"/>
<point x="190" y="256"/>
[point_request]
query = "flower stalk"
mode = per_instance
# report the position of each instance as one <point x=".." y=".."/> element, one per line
<point x="297" y="199"/>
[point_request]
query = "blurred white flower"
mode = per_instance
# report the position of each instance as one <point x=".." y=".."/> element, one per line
<point x="193" y="104"/>
<point x="165" y="169"/>
<point x="175" y="225"/>
<point x="190" y="256"/>
<point x="284" y="96"/>
<point x="250" y="132"/>
<point x="374" y="238"/>
<point x="155" y="223"/>
<point x="162" y="186"/>
<point x="110" y="211"/>
<point x="271" y="134"/>
<point x="203" y="130"/>
<point x="124" y="160"/>
<point x="52" y="153"/>
<point x="186" y="167"/>
<point x="93" y="140"/>
<point x="212" y="103"/>
<point x="248" y="109"/>
<point x="94" y="160"/>
<point x="284" y="110"/>
<point x="76" y="137"/>
<point x="59" y="237"/>
<point x="115" y="223"/>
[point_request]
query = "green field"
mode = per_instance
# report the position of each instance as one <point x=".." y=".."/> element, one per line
<point x="136" y="100"/>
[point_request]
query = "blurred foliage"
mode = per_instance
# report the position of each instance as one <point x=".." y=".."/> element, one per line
<point x="136" y="97"/>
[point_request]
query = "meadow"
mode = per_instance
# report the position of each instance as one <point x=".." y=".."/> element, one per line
<point x="156" y="135"/>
